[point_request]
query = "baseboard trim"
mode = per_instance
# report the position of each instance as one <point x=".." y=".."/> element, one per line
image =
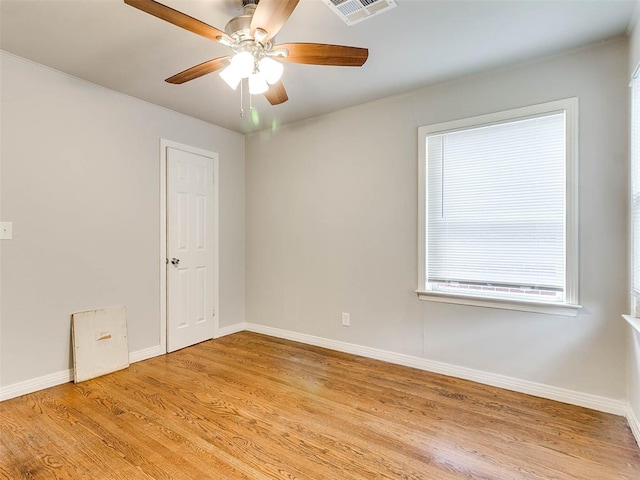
<point x="146" y="353"/>
<point x="66" y="376"/>
<point x="595" y="402"/>
<point x="634" y="424"/>
<point x="35" y="384"/>
<point x="231" y="329"/>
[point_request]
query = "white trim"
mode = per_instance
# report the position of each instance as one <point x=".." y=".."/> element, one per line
<point x="164" y="144"/>
<point x="572" y="397"/>
<point x="146" y="353"/>
<point x="570" y="107"/>
<point x="35" y="384"/>
<point x="563" y="309"/>
<point x="423" y="234"/>
<point x="634" y="424"/>
<point x="634" y="297"/>
<point x="572" y="225"/>
<point x="636" y="73"/>
<point x="634" y="322"/>
<point x="66" y="376"/>
<point x="231" y="329"/>
<point x="216" y="244"/>
<point x="163" y="244"/>
<point x="595" y="402"/>
<point x="502" y="116"/>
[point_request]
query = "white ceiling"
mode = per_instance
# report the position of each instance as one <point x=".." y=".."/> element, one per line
<point x="418" y="43"/>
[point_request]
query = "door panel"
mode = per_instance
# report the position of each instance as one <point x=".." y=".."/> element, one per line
<point x="190" y="234"/>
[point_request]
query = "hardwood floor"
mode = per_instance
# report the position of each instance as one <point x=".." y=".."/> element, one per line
<point x="248" y="406"/>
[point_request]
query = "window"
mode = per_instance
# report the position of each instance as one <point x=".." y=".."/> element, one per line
<point x="635" y="196"/>
<point x="498" y="210"/>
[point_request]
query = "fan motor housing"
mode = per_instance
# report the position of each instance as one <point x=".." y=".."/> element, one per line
<point x="239" y="28"/>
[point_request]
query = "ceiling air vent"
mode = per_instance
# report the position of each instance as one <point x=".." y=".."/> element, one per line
<point x="354" y="11"/>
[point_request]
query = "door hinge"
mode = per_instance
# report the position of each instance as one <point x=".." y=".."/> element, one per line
<point x="214" y="313"/>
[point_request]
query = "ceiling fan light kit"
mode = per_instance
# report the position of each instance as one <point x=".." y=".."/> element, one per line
<point x="231" y="76"/>
<point x="253" y="54"/>
<point x="257" y="84"/>
<point x="271" y="69"/>
<point x="250" y="36"/>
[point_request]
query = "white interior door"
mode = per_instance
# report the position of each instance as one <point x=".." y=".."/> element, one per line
<point x="190" y="248"/>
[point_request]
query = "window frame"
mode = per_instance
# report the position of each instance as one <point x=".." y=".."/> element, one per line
<point x="570" y="305"/>
<point x="634" y="158"/>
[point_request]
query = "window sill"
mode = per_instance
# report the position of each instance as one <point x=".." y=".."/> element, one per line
<point x="633" y="321"/>
<point x="564" y="309"/>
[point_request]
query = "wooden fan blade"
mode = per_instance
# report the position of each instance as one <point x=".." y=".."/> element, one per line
<point x="199" y="70"/>
<point x="271" y="15"/>
<point x="180" y="19"/>
<point x="323" y="54"/>
<point x="276" y="94"/>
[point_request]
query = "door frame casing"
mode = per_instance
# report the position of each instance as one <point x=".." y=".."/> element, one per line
<point x="164" y="144"/>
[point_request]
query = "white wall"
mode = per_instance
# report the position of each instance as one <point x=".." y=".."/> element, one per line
<point x="331" y="223"/>
<point x="332" y="227"/>
<point x="80" y="182"/>
<point x="634" y="40"/>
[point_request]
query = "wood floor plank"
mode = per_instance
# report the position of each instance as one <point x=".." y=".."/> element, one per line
<point x="523" y="410"/>
<point x="454" y="410"/>
<point x="364" y="424"/>
<point x="544" y="455"/>
<point x="252" y="407"/>
<point x="233" y="422"/>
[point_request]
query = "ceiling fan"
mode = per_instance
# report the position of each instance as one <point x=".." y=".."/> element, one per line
<point x="250" y="36"/>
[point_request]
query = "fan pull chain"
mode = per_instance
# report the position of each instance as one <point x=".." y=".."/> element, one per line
<point x="241" y="98"/>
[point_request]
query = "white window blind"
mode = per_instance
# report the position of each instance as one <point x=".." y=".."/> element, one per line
<point x="496" y="208"/>
<point x="635" y="189"/>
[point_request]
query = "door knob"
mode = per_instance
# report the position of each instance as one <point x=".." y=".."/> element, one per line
<point x="175" y="261"/>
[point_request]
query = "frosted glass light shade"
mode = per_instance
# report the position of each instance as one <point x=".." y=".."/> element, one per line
<point x="271" y="69"/>
<point x="243" y="63"/>
<point x="231" y="76"/>
<point x="257" y="84"/>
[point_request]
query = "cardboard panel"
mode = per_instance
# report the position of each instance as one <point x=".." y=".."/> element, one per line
<point x="99" y="342"/>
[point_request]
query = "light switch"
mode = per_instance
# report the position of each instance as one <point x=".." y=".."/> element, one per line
<point x="6" y="230"/>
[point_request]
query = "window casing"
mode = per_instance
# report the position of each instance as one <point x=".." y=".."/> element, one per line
<point x="498" y="210"/>
<point x="635" y="196"/>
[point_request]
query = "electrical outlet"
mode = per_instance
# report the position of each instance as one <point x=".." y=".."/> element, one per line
<point x="346" y="320"/>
